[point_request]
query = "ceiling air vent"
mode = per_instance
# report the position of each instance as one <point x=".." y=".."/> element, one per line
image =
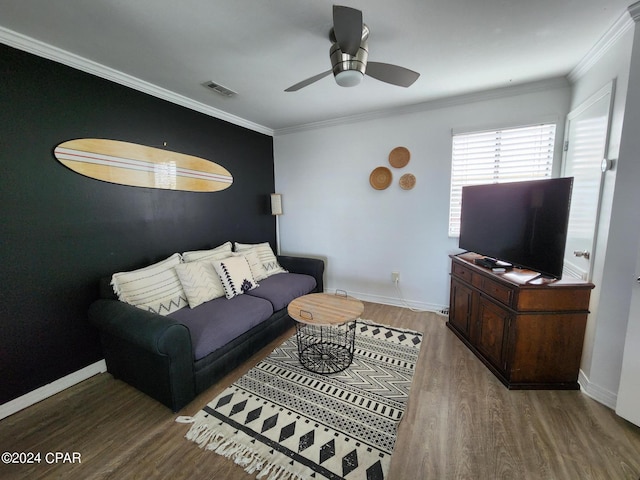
<point x="216" y="87"/>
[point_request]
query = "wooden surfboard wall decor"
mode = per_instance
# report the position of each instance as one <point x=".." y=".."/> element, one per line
<point x="141" y="166"/>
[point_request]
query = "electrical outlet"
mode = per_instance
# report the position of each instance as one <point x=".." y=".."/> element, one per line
<point x="395" y="277"/>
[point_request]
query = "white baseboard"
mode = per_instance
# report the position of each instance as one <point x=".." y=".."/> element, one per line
<point x="396" y="302"/>
<point x="596" y="392"/>
<point x="51" y="389"/>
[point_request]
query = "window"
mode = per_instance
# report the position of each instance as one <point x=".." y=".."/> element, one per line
<point x="509" y="155"/>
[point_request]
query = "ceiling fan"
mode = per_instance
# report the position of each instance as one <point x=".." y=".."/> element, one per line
<point x="349" y="54"/>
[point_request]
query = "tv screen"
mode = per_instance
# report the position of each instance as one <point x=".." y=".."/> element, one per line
<point x="522" y="223"/>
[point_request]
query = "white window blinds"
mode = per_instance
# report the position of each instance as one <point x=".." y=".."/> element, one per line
<point x="497" y="156"/>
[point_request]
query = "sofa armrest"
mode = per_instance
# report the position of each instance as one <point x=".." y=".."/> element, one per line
<point x="151" y="352"/>
<point x="306" y="265"/>
<point x="139" y="327"/>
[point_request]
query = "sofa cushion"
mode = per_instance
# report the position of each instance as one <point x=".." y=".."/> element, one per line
<point x="281" y="288"/>
<point x="235" y="275"/>
<point x="200" y="282"/>
<point x="156" y="288"/>
<point x="221" y="251"/>
<point x="265" y="254"/>
<point x="256" y="266"/>
<point x="214" y="324"/>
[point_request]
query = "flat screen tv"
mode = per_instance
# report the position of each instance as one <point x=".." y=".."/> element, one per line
<point x="520" y="223"/>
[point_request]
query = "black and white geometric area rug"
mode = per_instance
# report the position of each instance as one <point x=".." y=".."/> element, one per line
<point x="282" y="422"/>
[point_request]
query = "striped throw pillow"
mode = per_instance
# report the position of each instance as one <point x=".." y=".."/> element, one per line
<point x="156" y="288"/>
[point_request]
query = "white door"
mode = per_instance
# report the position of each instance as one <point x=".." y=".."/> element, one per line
<point x="628" y="403"/>
<point x="586" y="141"/>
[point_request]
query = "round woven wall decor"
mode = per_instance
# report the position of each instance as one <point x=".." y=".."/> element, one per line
<point x="399" y="157"/>
<point x="380" y="178"/>
<point x="407" y="181"/>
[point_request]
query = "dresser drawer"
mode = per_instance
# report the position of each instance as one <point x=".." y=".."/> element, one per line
<point x="499" y="292"/>
<point x="462" y="273"/>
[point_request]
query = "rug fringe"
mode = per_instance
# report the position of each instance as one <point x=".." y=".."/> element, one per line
<point x="209" y="439"/>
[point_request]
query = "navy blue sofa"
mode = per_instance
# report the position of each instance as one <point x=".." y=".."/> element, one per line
<point x="175" y="357"/>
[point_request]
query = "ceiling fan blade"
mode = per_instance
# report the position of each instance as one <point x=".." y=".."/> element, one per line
<point x="308" y="81"/>
<point x="393" y="74"/>
<point x="347" y="28"/>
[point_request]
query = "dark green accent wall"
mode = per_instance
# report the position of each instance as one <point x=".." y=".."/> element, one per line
<point x="60" y="231"/>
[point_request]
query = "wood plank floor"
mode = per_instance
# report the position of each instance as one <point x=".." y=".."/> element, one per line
<point x="461" y="423"/>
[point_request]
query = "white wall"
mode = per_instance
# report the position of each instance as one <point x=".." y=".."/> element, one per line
<point x="613" y="272"/>
<point x="624" y="242"/>
<point x="330" y="210"/>
<point x="629" y="392"/>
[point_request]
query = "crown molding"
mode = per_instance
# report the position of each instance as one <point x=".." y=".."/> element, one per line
<point x="41" y="49"/>
<point x="521" y="89"/>
<point x="634" y="11"/>
<point x="626" y="22"/>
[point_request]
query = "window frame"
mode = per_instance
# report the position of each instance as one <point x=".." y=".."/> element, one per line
<point x="476" y="163"/>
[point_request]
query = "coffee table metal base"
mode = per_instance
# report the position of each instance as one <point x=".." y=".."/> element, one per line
<point x="326" y="348"/>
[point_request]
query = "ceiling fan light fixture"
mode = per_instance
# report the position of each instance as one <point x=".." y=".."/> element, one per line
<point x="349" y="78"/>
<point x="348" y="70"/>
<point x="349" y="54"/>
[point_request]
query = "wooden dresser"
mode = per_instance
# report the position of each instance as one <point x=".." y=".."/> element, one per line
<point x="529" y="333"/>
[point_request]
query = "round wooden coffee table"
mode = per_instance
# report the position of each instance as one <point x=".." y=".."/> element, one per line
<point x="325" y="330"/>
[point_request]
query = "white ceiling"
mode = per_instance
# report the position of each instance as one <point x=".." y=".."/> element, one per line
<point x="259" y="48"/>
